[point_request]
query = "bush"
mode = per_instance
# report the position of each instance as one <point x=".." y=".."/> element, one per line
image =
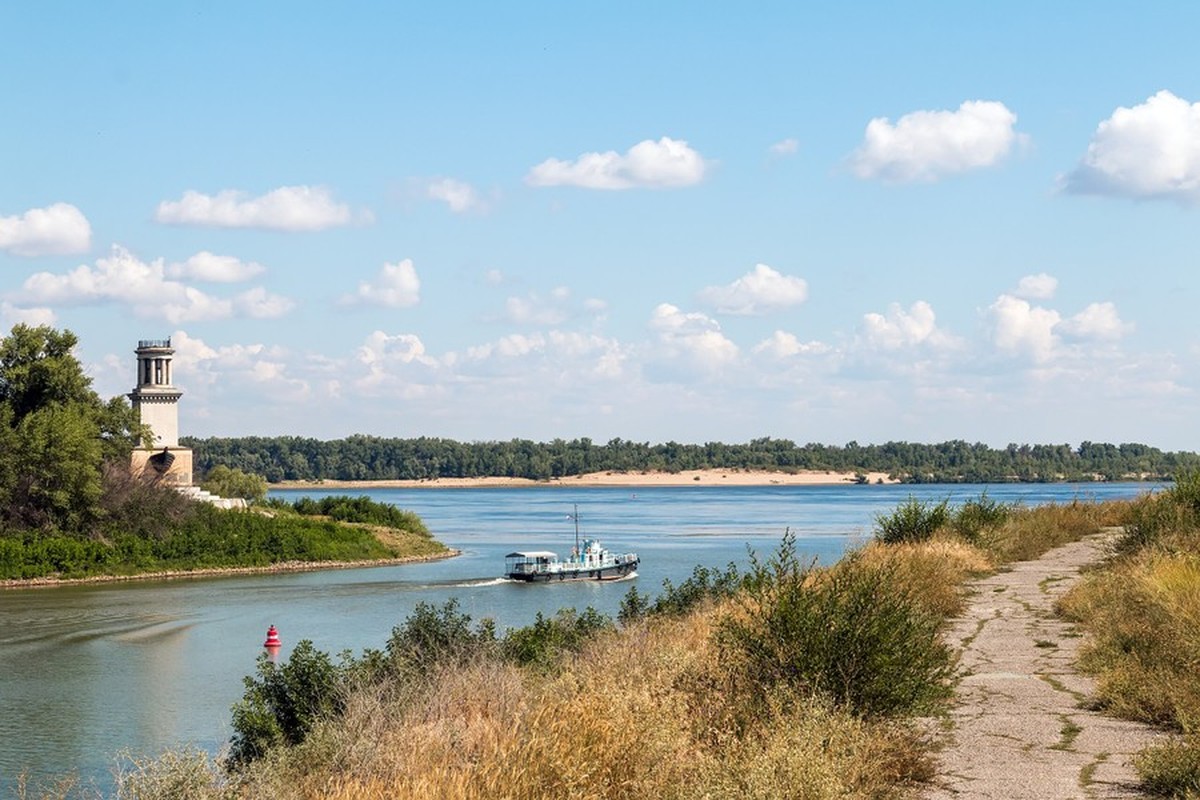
<point x="912" y="521"/>
<point x="225" y="482"/>
<point x="979" y="515"/>
<point x="846" y="633"/>
<point x="282" y="704"/>
<point x="543" y="644"/>
<point x="433" y="637"/>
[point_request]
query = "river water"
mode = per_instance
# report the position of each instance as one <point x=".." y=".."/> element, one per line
<point x="89" y="671"/>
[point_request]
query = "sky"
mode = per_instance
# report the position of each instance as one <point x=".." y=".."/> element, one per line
<point x="826" y="222"/>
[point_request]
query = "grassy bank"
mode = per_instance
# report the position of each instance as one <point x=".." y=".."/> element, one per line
<point x="159" y="531"/>
<point x="783" y="681"/>
<point x="1142" y="615"/>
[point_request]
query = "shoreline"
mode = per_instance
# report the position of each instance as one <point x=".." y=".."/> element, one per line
<point x="608" y="479"/>
<point x="221" y="572"/>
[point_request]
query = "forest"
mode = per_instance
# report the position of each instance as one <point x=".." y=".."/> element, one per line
<point x="360" y="457"/>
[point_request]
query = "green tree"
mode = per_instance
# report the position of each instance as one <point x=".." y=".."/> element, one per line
<point x="226" y="482"/>
<point x="55" y="433"/>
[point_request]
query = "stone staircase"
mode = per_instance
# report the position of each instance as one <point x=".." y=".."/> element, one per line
<point x="201" y="496"/>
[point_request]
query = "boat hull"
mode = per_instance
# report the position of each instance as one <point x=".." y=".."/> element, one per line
<point x="582" y="573"/>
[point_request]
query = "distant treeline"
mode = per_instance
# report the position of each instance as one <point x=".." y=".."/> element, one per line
<point x="292" y="458"/>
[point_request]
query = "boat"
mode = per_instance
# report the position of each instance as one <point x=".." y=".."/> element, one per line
<point x="588" y="562"/>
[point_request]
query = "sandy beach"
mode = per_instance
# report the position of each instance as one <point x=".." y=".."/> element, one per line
<point x="693" y="477"/>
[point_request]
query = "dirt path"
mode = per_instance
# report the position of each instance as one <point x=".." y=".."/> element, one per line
<point x="1019" y="729"/>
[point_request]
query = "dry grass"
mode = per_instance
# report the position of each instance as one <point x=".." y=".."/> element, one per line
<point x="931" y="572"/>
<point x="650" y="714"/>
<point x="1030" y="532"/>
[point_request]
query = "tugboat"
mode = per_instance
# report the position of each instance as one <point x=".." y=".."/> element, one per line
<point x="589" y="562"/>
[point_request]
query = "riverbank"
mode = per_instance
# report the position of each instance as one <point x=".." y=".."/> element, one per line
<point x="691" y="477"/>
<point x="220" y="572"/>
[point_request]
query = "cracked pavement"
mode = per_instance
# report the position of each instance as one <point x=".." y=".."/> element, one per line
<point x="1020" y="728"/>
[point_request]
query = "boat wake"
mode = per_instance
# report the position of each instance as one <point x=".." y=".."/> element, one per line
<point x="484" y="582"/>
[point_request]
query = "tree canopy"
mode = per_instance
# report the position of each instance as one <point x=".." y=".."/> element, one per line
<point x="55" y="433"/>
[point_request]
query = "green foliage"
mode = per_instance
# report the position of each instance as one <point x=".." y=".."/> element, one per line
<point x="913" y="521"/>
<point x="55" y="435"/>
<point x="432" y="637"/>
<point x="634" y="606"/>
<point x="283" y="703"/>
<point x="543" y="644"/>
<point x="225" y="482"/>
<point x="1155" y="518"/>
<point x="362" y="509"/>
<point x="847" y="633"/>
<point x="976" y="516"/>
<point x="703" y="584"/>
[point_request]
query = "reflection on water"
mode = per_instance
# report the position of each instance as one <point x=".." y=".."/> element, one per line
<point x="90" y="670"/>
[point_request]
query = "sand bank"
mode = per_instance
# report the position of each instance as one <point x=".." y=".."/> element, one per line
<point x="692" y="477"/>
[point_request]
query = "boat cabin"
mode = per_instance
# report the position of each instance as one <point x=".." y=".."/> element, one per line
<point x="531" y="562"/>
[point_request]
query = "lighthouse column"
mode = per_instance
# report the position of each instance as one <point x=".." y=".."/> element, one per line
<point x="156" y="401"/>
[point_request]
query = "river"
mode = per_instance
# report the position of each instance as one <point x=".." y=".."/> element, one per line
<point x="88" y="671"/>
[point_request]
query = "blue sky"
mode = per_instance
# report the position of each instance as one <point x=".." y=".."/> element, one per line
<point x="651" y="221"/>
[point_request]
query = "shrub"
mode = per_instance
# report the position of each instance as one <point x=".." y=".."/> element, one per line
<point x="283" y="703"/>
<point x="912" y="521"/>
<point x="975" y="516"/>
<point x="846" y="633"/>
<point x="703" y="584"/>
<point x="544" y="643"/>
<point x="433" y="637"/>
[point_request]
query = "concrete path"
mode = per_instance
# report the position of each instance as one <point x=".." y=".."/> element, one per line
<point x="1019" y="729"/>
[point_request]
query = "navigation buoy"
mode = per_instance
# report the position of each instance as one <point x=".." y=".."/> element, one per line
<point x="272" y="638"/>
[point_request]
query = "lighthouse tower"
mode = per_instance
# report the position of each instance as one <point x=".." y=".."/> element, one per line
<point x="156" y="401"/>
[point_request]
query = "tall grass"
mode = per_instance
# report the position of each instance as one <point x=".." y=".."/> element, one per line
<point x="1142" y="614"/>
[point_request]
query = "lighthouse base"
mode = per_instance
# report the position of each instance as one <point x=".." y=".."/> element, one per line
<point x="169" y="465"/>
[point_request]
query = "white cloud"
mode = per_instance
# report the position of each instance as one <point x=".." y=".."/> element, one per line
<point x="58" y="229"/>
<point x="782" y="344"/>
<point x="760" y="291"/>
<point x="1037" y="287"/>
<point x="288" y="208"/>
<point x="928" y="145"/>
<point x="205" y="266"/>
<point x="405" y="348"/>
<point x="785" y="147"/>
<point x="1097" y="321"/>
<point x="1149" y="151"/>
<point x="11" y="315"/>
<point x="665" y="164"/>
<point x="1018" y="327"/>
<point x="234" y="366"/>
<point x="900" y="328"/>
<point x="396" y="287"/>
<point x="143" y="286"/>
<point x="693" y="336"/>
<point x="461" y="197"/>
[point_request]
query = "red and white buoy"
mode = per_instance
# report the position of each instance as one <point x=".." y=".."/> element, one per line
<point x="272" y="639"/>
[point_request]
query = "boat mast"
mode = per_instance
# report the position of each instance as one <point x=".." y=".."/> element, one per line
<point x="576" y="516"/>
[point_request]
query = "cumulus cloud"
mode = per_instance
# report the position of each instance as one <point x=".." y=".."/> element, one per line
<point x="928" y="145"/>
<point x="58" y="229"/>
<point x="785" y="147"/>
<point x="144" y="287"/>
<point x="396" y="287"/>
<point x="665" y="164"/>
<point x="1097" y="321"/>
<point x="1149" y="151"/>
<point x="206" y="366"/>
<point x="461" y="197"/>
<point x="900" y="328"/>
<point x="1037" y="287"/>
<point x="782" y="344"/>
<point x="760" y="291"/>
<point x="11" y="315"/>
<point x="288" y="208"/>
<point x="1019" y="327"/>
<point x="205" y="266"/>
<point x="693" y="336"/>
